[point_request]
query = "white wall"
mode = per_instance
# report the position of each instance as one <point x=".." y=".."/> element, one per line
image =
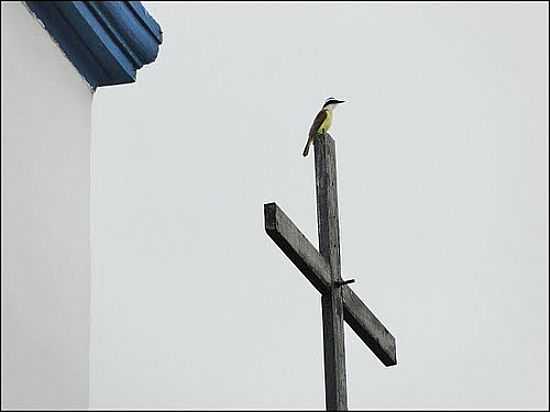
<point x="45" y="220"/>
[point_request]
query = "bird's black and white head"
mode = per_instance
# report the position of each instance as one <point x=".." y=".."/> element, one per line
<point x="331" y="103"/>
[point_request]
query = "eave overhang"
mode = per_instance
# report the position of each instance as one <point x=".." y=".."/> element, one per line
<point x="107" y="41"/>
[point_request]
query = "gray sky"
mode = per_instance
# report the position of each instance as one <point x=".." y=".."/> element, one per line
<point x="442" y="151"/>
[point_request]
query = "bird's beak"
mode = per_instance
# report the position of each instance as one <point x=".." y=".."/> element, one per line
<point x="340" y="101"/>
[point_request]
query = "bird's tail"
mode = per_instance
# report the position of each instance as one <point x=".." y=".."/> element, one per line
<point x="306" y="149"/>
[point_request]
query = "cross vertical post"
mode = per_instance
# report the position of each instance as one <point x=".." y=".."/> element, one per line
<point x="329" y="248"/>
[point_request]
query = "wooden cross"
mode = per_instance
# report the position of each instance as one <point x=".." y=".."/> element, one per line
<point x="322" y="269"/>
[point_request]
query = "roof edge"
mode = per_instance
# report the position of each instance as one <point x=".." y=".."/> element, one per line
<point x="107" y="42"/>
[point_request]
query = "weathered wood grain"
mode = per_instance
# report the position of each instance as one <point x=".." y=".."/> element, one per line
<point x="368" y="327"/>
<point x="329" y="248"/>
<point x="327" y="201"/>
<point x="297" y="247"/>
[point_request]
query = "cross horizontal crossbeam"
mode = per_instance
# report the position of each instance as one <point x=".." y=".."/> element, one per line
<point x="317" y="270"/>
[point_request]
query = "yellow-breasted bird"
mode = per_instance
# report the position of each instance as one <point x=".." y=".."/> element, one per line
<point x="322" y="121"/>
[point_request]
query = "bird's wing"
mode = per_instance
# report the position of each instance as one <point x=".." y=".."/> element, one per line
<point x="317" y="122"/>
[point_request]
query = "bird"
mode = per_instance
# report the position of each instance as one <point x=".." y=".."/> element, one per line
<point x="322" y="121"/>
